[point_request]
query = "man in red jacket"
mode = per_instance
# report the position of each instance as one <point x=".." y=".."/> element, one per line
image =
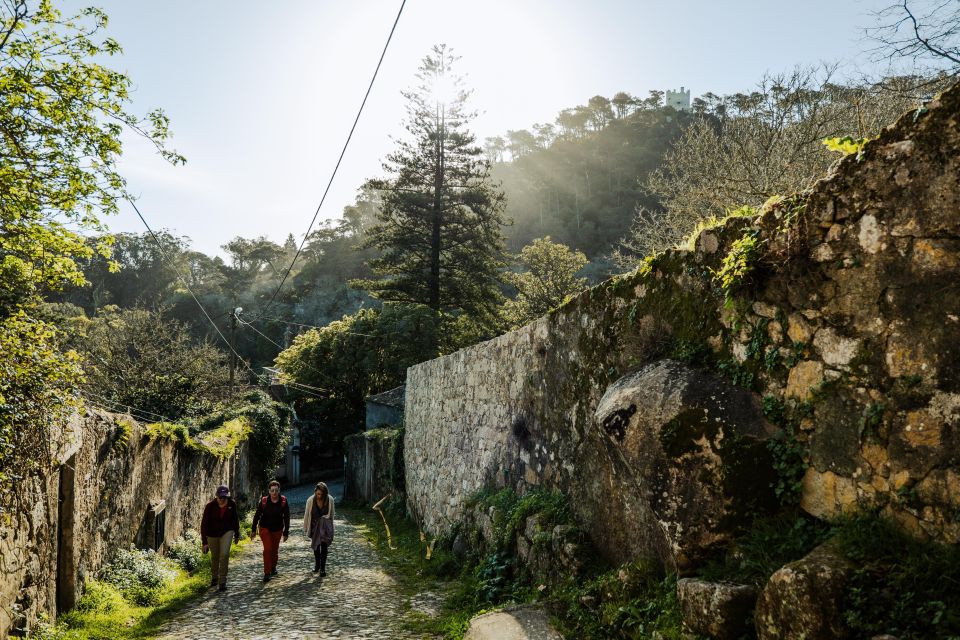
<point x="220" y="526"/>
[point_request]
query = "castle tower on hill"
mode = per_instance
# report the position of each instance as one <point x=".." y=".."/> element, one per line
<point x="679" y="100"/>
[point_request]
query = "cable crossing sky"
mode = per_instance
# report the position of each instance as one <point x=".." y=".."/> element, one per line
<point x="343" y="152"/>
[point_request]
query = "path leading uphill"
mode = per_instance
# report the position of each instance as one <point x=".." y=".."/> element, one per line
<point x="356" y="599"/>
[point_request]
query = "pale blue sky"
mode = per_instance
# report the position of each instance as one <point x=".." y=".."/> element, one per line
<point x="262" y="94"/>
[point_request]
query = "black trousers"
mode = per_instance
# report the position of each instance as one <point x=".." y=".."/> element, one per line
<point x="320" y="557"/>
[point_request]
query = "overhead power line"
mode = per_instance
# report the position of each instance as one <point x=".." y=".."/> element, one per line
<point x="183" y="280"/>
<point x="260" y="318"/>
<point x="124" y="405"/>
<point x="339" y="160"/>
<point x="261" y="333"/>
<point x="113" y="406"/>
<point x="197" y="300"/>
<point x="281" y="347"/>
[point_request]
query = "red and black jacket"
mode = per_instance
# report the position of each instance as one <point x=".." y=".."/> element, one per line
<point x="215" y="525"/>
<point x="272" y="516"/>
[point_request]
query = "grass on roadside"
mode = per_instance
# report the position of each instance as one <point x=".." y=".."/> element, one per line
<point x="103" y="613"/>
<point x="403" y="555"/>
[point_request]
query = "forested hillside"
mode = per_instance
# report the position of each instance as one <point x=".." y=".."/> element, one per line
<point x="580" y="179"/>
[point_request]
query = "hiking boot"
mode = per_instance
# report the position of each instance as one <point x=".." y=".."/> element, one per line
<point x="316" y="568"/>
<point x="222" y="587"/>
<point x="266" y="577"/>
<point x="323" y="573"/>
<point x="274" y="572"/>
<point x="213" y="582"/>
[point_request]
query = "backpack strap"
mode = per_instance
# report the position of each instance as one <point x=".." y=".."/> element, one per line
<point x="263" y="502"/>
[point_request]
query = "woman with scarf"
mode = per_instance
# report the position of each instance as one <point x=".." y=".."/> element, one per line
<point x="318" y="525"/>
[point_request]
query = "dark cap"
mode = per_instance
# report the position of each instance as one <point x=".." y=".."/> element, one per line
<point x="223" y="491"/>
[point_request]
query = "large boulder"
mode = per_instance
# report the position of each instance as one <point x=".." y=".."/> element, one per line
<point x="513" y="623"/>
<point x="802" y="600"/>
<point x="696" y="446"/>
<point x="716" y="609"/>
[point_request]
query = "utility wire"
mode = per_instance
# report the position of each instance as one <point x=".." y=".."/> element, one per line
<point x="265" y="336"/>
<point x="183" y="280"/>
<point x="117" y="408"/>
<point x="281" y="347"/>
<point x="124" y="405"/>
<point x="260" y="318"/>
<point x="339" y="160"/>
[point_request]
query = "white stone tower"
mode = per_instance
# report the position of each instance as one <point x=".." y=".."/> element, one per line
<point x="679" y="100"/>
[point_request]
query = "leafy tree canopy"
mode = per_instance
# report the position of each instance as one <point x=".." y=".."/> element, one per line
<point x="349" y="359"/>
<point x="61" y="116"/>
<point x="137" y="358"/>
<point x="550" y="276"/>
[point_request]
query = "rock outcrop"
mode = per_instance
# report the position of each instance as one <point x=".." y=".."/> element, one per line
<point x="803" y="600"/>
<point x="715" y="609"/>
<point x="696" y="447"/>
<point x="512" y="623"/>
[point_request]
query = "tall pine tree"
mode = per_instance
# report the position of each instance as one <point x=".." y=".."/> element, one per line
<point x="439" y="222"/>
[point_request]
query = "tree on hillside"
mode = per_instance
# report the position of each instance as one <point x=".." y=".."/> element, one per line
<point x="549" y="277"/>
<point x="248" y="260"/>
<point x="332" y="257"/>
<point x="439" y="222"/>
<point x="137" y="272"/>
<point x="748" y="147"/>
<point x="580" y="185"/>
<point x="622" y="103"/>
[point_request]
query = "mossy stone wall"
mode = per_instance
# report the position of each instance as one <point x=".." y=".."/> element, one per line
<point x="845" y="325"/>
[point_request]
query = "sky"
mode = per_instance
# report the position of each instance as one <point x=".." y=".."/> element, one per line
<point x="261" y="95"/>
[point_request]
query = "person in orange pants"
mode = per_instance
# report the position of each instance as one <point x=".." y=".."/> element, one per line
<point x="273" y="517"/>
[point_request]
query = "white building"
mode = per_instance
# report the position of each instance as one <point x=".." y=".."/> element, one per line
<point x="679" y="100"/>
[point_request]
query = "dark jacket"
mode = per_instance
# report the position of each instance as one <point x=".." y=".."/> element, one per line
<point x="272" y="516"/>
<point x="213" y="526"/>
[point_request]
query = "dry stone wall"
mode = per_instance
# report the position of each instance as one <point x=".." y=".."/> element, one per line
<point x="98" y="499"/>
<point x="845" y="329"/>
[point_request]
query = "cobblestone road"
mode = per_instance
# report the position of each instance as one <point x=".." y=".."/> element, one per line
<point x="356" y="599"/>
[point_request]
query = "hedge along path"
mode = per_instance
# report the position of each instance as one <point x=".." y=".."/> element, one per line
<point x="357" y="599"/>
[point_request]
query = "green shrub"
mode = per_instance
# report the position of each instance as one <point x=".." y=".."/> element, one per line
<point x="766" y="546"/>
<point x="899" y="586"/>
<point x="139" y="575"/>
<point x="186" y="552"/>
<point x="270" y="423"/>
<point x="496" y="579"/>
<point x="43" y="630"/>
<point x="738" y="264"/>
<point x="632" y="601"/>
<point x="99" y="596"/>
<point x="790" y="465"/>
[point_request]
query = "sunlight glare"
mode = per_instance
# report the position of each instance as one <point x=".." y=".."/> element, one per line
<point x="444" y="89"/>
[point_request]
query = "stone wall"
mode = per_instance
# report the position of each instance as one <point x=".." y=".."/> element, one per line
<point x="845" y="329"/>
<point x="370" y="472"/>
<point x="98" y="499"/>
